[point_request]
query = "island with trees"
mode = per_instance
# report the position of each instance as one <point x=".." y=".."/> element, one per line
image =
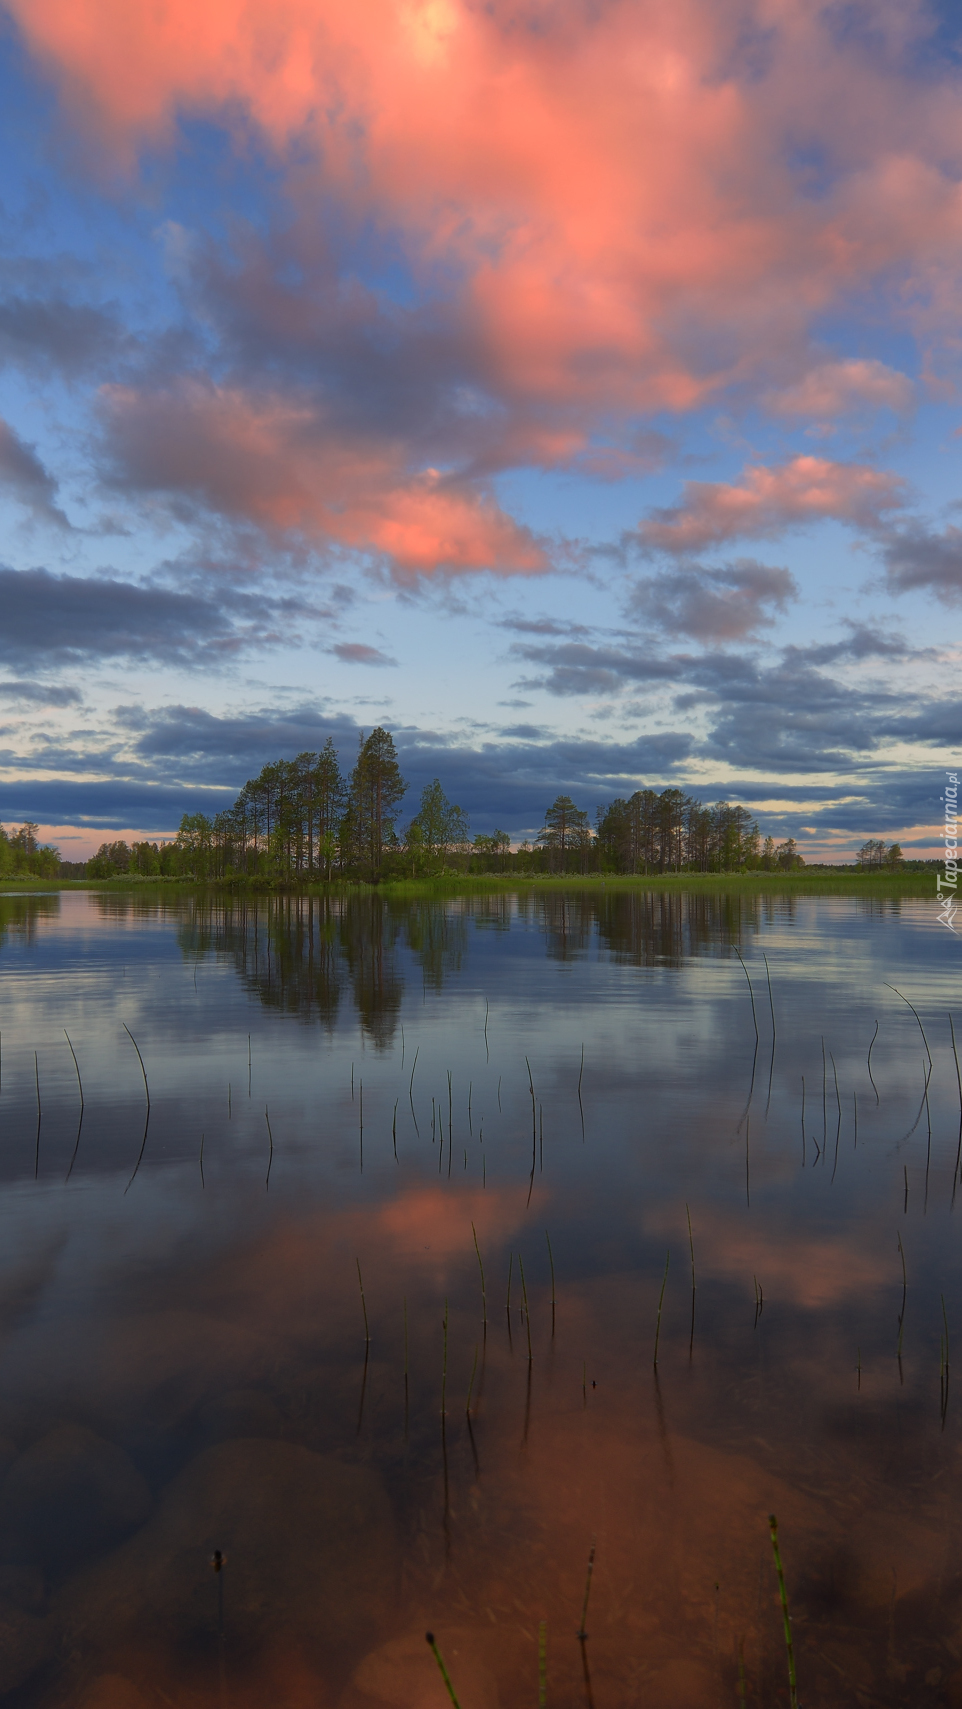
<point x="302" y="821"/>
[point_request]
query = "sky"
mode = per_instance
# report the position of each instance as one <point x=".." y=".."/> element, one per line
<point x="572" y="388"/>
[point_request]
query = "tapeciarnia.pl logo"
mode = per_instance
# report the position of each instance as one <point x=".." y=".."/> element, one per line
<point x="946" y="882"/>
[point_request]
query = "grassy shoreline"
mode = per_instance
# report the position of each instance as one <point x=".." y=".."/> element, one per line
<point x="804" y="882"/>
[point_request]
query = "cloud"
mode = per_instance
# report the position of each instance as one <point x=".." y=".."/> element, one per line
<point x="355" y="653"/>
<point x="767" y="501"/>
<point x="275" y="461"/>
<point x="107" y="803"/>
<point x="503" y="777"/>
<point x="790" y="716"/>
<point x="188" y="741"/>
<point x="920" y="557"/>
<point x="184" y="759"/>
<point x="40" y="693"/>
<point x="841" y="388"/>
<point x="576" y="667"/>
<point x="715" y="605"/>
<point x="63" y="618"/>
<point x="542" y="626"/>
<point x="23" y="474"/>
<point x="622" y="199"/>
<point x="52" y="332"/>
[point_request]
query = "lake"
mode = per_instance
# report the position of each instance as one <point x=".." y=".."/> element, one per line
<point x="371" y="1267"/>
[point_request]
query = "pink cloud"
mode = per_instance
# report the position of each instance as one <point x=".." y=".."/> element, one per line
<point x="838" y="388"/>
<point x="621" y="192"/>
<point x="769" y="500"/>
<point x="272" y="460"/>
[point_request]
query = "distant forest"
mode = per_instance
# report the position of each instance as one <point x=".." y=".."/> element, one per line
<point x="302" y="821"/>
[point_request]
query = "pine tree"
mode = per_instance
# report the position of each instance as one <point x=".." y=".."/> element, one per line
<point x="565" y="827"/>
<point x="375" y="795"/>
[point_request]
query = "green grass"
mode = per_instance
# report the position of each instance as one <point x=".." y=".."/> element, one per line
<point x="719" y="883"/>
<point x="804" y="882"/>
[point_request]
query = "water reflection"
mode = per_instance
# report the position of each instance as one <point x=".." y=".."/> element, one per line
<point x="185" y="1367"/>
<point x="21" y="916"/>
<point x="303" y="954"/>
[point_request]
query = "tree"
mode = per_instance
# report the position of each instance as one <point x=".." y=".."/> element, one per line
<point x="21" y="852"/>
<point x="110" y="860"/>
<point x="374" y="797"/>
<point x="565" y="828"/>
<point x="893" y="856"/>
<point x="787" y="856"/>
<point x="871" y="853"/>
<point x="439" y="826"/>
<point x="329" y="795"/>
<point x="194" y="842"/>
<point x="500" y="847"/>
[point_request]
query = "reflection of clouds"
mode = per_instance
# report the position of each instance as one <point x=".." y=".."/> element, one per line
<point x="423" y="1221"/>
<point x="809" y="1270"/>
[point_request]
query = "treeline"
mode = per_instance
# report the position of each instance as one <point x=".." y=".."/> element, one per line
<point x="21" y="855"/>
<point x="302" y="821"/>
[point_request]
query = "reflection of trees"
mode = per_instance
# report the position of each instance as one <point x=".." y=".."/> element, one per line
<point x="20" y="915"/>
<point x="656" y="927"/>
<point x="650" y="927"/>
<point x="567" y="919"/>
<point x="878" y="904"/>
<point x="299" y="954"/>
<point x="436" y="933"/>
<point x="304" y="954"/>
<point x="368" y="942"/>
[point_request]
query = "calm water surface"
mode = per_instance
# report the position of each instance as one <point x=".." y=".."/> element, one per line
<point x="301" y="1309"/>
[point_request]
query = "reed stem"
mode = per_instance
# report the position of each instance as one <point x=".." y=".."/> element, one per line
<point x="140" y="1060"/>
<point x="77" y="1066"/>
<point x="691" y="1248"/>
<point x="36" y="1071"/>
<point x="444" y="1672"/>
<point x="582" y="1631"/>
<point x="444" y="1362"/>
<point x="870" y="1074"/>
<point x="750" y="991"/>
<point x="661" y="1297"/>
<point x="484" y="1297"/>
<point x="918" y="1018"/>
<point x="958" y="1076"/>
<point x="527" y="1315"/>
<point x="367" y="1332"/>
<point x="411" y="1091"/>
<point x="786" y="1621"/>
<point x="771" y="1000"/>
<point x="898" y="1350"/>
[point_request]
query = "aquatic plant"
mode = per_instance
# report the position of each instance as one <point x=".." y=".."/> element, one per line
<point x="786" y="1620"/>
<point x="444" y="1672"/>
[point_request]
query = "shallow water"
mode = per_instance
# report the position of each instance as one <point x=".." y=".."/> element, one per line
<point x="356" y="1090"/>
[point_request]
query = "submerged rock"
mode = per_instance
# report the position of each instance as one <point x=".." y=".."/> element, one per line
<point x="682" y="1685"/>
<point x="22" y="1586"/>
<point x="24" y="1643"/>
<point x="239" y="1412"/>
<point x="309" y="1551"/>
<point x="113" y="1691"/>
<point x="68" y="1496"/>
